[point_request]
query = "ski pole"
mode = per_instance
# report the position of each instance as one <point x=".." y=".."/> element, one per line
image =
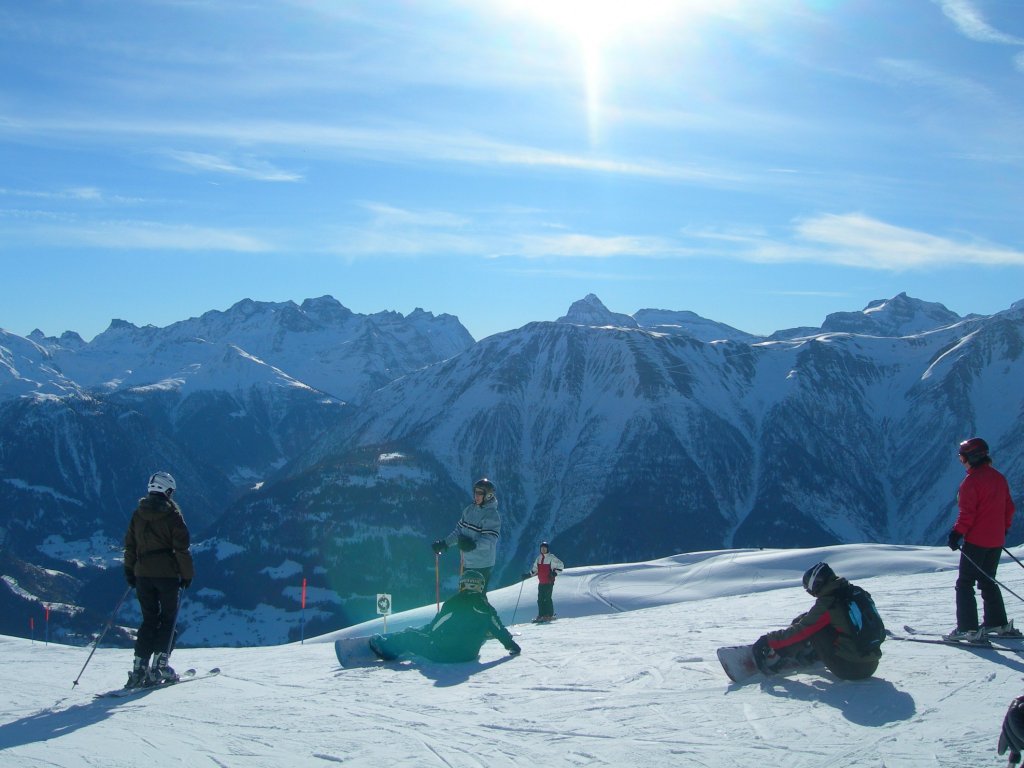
<point x="437" y="579"/>
<point x="1018" y="562"/>
<point x="174" y="624"/>
<point x="993" y="579"/>
<point x="103" y="634"/>
<point x="522" y="582"/>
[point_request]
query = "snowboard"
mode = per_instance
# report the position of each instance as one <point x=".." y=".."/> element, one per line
<point x="738" y="662"/>
<point x="355" y="652"/>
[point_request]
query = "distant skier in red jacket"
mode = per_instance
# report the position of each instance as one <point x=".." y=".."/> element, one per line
<point x="546" y="568"/>
<point x="986" y="511"/>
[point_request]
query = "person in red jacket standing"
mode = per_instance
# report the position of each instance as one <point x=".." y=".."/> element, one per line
<point x="986" y="511"/>
<point x="546" y="568"/>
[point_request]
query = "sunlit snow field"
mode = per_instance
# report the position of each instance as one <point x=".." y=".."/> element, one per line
<point x="627" y="676"/>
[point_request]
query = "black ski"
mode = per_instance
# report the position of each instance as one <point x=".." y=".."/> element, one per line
<point x="185" y="677"/>
<point x="1010" y="641"/>
<point x="939" y="640"/>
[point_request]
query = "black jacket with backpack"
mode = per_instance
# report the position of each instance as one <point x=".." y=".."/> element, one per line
<point x="829" y="627"/>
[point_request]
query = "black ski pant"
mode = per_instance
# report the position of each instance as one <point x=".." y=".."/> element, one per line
<point x="545" y="605"/>
<point x="978" y="566"/>
<point x="821" y="647"/>
<point x="158" y="600"/>
<point x="824" y="645"/>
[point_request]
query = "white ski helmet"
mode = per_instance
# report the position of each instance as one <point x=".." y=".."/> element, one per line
<point x="162" y="482"/>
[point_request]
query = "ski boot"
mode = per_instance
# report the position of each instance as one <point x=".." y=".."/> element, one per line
<point x="161" y="672"/>
<point x="138" y="677"/>
<point x="377" y="645"/>
<point x="1006" y="630"/>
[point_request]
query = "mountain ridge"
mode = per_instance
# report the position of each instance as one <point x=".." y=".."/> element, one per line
<point x="620" y="437"/>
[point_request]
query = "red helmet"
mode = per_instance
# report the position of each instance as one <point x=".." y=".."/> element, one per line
<point x="974" y="449"/>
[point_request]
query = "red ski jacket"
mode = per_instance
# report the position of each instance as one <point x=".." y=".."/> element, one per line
<point x="986" y="509"/>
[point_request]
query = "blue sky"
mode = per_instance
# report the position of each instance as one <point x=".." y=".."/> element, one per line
<point x="759" y="162"/>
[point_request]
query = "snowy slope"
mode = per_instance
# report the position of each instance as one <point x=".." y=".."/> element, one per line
<point x="27" y="368"/>
<point x="626" y="677"/>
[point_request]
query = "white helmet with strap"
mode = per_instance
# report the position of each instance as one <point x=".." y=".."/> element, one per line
<point x="162" y="482"/>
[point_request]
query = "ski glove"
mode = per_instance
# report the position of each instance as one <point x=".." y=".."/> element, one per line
<point x="184" y="583"/>
<point x="515" y="650"/>
<point x="129" y="576"/>
<point x="466" y="544"/>
<point x="954" y="539"/>
<point x="761" y="647"/>
<point x="527" y="576"/>
<point x="439" y="546"/>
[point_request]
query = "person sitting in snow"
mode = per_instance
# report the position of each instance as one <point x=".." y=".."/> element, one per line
<point x="824" y="634"/>
<point x="546" y="568"/>
<point x="476" y="532"/>
<point x="456" y="634"/>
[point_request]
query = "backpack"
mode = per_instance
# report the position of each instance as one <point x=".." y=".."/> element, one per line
<point x="868" y="630"/>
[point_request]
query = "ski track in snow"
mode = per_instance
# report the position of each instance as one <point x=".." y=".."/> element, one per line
<point x="626" y="677"/>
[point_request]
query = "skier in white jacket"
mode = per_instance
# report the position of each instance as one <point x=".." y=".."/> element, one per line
<point x="477" y="531"/>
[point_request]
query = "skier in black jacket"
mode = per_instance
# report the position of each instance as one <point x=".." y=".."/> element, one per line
<point x="464" y="623"/>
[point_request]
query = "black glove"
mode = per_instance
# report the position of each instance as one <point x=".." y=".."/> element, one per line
<point x="527" y="576"/>
<point x="466" y="544"/>
<point x="184" y="583"/>
<point x="764" y="655"/>
<point x="439" y="546"/>
<point x="954" y="539"/>
<point x="129" y="576"/>
<point x="515" y="650"/>
<point x="761" y="647"/>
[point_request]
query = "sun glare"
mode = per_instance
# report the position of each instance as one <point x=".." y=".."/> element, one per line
<point x="593" y="26"/>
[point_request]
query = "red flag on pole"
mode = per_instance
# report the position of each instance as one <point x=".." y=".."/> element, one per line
<point x="303" y="592"/>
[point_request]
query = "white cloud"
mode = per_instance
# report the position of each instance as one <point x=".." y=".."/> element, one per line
<point x="391" y="216"/>
<point x="921" y="75"/>
<point x="594" y="246"/>
<point x="393" y="231"/>
<point x="141" y="235"/>
<point x="84" y="194"/>
<point x="390" y="144"/>
<point x="969" y="21"/>
<point x="249" y="168"/>
<point x="856" y="240"/>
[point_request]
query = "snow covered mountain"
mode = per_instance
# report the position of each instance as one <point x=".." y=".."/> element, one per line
<point x="626" y="677"/>
<point x="319" y="343"/>
<point x="616" y="437"/>
<point x="224" y="401"/>
<point x="625" y="443"/>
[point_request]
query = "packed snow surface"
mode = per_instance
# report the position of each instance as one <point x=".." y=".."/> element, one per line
<point x="626" y="677"/>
